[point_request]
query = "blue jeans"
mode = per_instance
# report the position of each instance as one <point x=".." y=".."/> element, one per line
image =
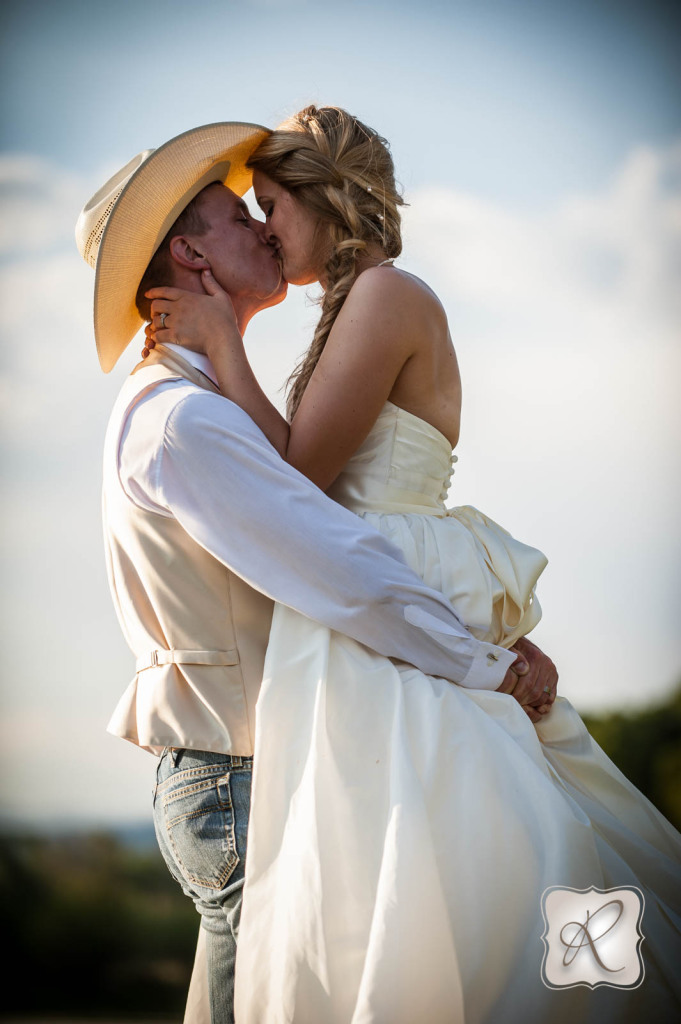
<point x="201" y="806"/>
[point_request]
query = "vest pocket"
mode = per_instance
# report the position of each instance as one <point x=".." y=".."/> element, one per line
<point x="199" y="822"/>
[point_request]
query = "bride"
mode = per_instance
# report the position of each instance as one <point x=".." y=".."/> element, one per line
<point x="404" y="831"/>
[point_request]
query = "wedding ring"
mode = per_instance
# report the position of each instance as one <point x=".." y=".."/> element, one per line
<point x="547" y="689"/>
<point x="163" y="320"/>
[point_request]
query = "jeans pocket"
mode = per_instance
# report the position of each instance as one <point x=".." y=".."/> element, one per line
<point x="199" y="823"/>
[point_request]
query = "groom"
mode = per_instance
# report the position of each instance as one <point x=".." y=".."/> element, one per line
<point x="205" y="526"/>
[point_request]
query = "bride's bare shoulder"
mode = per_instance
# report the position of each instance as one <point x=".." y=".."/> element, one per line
<point x="403" y="291"/>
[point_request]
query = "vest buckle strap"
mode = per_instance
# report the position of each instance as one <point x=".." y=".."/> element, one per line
<point x="158" y="657"/>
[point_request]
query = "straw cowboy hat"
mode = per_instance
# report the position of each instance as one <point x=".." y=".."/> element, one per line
<point x="122" y="226"/>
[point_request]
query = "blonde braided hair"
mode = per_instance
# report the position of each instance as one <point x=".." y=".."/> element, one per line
<point x="342" y="171"/>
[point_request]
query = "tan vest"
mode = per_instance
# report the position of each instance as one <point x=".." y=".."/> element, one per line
<point x="198" y="631"/>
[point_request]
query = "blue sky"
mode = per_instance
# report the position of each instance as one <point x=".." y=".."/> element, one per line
<point x="474" y="89"/>
<point x="539" y="146"/>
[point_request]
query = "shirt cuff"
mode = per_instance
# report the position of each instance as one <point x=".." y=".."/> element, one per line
<point x="481" y="665"/>
<point x="490" y="665"/>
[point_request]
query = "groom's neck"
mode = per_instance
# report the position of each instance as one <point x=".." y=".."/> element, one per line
<point x="245" y="305"/>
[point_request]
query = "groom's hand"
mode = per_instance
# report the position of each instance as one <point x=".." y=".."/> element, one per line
<point x="532" y="680"/>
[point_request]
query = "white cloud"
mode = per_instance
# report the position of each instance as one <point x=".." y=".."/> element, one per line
<point x="609" y="258"/>
<point x="567" y="325"/>
<point x="39" y="206"/>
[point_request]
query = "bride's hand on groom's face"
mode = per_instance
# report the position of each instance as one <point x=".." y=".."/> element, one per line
<point x="199" y="322"/>
<point x="532" y="680"/>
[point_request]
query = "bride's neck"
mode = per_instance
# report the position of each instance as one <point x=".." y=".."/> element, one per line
<point x="373" y="255"/>
<point x="370" y="257"/>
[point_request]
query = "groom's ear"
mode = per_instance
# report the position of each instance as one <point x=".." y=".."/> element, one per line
<point x="185" y="254"/>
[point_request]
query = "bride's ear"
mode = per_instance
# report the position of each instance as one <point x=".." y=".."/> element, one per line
<point x="186" y="255"/>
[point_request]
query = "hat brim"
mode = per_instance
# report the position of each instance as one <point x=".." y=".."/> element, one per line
<point x="152" y="200"/>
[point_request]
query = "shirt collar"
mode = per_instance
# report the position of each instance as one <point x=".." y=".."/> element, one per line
<point x="197" y="360"/>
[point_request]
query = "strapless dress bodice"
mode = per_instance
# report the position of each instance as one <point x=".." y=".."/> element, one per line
<point x="404" y="465"/>
<point x="398" y="481"/>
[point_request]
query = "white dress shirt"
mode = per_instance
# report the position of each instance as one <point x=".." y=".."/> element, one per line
<point x="190" y="454"/>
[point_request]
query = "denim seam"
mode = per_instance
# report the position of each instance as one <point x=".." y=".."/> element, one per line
<point x="232" y="857"/>
<point x="208" y="769"/>
<point x="211" y="883"/>
<point x="197" y="814"/>
<point x="194" y="787"/>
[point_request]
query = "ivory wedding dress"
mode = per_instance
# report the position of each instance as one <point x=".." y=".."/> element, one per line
<point x="403" y="829"/>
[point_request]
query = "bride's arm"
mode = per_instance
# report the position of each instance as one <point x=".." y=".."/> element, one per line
<point x="378" y="330"/>
<point x="205" y="322"/>
<point x="375" y="334"/>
